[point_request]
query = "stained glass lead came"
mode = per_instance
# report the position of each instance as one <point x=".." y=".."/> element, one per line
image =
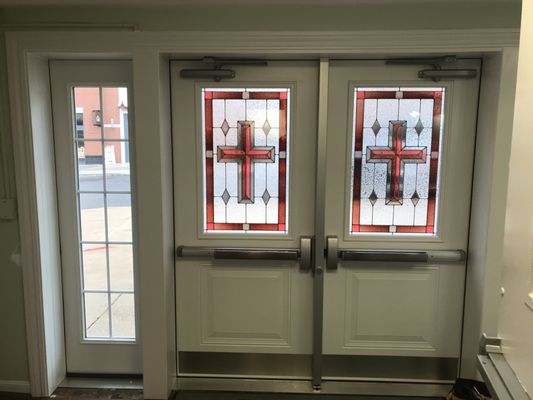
<point x="245" y="171"/>
<point x="246" y="154"/>
<point x="400" y="163"/>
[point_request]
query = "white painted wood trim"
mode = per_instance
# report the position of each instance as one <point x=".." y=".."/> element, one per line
<point x="28" y="220"/>
<point x="8" y="188"/>
<point x="273" y="43"/>
<point x="128" y="45"/>
<point x="15" y="386"/>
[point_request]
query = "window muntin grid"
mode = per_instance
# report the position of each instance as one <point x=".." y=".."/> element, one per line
<point x="101" y="146"/>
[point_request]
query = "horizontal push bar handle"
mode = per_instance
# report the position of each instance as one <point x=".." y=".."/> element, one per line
<point x="408" y="256"/>
<point x="257" y="254"/>
<point x="334" y="254"/>
<point x="303" y="254"/>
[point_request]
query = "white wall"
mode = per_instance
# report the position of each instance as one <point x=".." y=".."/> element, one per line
<point x="516" y="318"/>
<point x="493" y="144"/>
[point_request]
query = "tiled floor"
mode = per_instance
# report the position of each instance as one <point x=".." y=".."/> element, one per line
<point x="97" y="394"/>
<point x="81" y="394"/>
<point x="136" y="394"/>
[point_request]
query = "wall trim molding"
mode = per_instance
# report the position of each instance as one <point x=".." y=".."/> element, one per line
<point x="14" y="386"/>
<point x="310" y="43"/>
<point x="150" y="47"/>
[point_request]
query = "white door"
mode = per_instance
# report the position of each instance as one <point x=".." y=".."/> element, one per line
<point x="397" y="180"/>
<point x="244" y="159"/>
<point x="399" y="171"/>
<point x="90" y="106"/>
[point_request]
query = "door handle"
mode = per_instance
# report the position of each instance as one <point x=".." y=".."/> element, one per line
<point x="303" y="254"/>
<point x="333" y="254"/>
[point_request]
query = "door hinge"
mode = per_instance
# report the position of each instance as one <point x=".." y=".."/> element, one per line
<point x="438" y="72"/>
<point x="216" y="70"/>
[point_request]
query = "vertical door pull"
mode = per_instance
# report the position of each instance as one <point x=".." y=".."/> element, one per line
<point x="332" y="252"/>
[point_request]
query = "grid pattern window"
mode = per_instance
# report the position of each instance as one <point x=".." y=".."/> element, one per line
<point x="397" y="134"/>
<point x="104" y="213"/>
<point x="246" y="156"/>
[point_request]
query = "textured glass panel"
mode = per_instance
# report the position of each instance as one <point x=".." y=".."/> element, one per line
<point x="121" y="266"/>
<point x="245" y="159"/>
<point x="117" y="171"/>
<point x="383" y="213"/>
<point x="397" y="134"/>
<point x="256" y="111"/>
<point x="387" y="111"/>
<point x="119" y="217"/>
<point x="96" y="315"/>
<point x="409" y="111"/>
<point x="272" y="211"/>
<point x="123" y="315"/>
<point x="256" y="211"/>
<point x="94" y="262"/>
<point x="92" y="217"/>
<point x="370" y="116"/>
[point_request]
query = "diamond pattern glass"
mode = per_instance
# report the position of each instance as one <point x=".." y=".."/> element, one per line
<point x="397" y="134"/>
<point x="245" y="153"/>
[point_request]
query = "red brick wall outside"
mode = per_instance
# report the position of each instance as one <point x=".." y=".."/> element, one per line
<point x="88" y="98"/>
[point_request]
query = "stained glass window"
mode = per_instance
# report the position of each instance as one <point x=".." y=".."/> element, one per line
<point x="396" y="150"/>
<point x="246" y="155"/>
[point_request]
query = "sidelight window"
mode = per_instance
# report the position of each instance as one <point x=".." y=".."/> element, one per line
<point x="101" y="145"/>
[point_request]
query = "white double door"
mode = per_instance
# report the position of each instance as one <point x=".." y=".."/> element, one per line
<point x="396" y="197"/>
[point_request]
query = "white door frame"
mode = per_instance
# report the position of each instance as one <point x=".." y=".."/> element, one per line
<point x="27" y="55"/>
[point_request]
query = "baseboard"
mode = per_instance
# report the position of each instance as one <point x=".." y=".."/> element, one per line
<point x="15" y="386"/>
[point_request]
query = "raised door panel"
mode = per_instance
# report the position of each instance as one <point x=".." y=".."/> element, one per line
<point x="255" y="308"/>
<point x="248" y="307"/>
<point x="394" y="311"/>
<point x="391" y="309"/>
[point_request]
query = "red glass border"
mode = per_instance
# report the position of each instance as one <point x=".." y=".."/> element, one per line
<point x="210" y="225"/>
<point x="361" y="96"/>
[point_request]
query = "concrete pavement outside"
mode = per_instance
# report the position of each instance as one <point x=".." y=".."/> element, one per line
<point x="121" y="308"/>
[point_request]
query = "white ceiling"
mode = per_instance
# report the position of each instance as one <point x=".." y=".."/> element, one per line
<point x="4" y="3"/>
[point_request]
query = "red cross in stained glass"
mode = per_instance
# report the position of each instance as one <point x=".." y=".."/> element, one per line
<point x="396" y="155"/>
<point x="246" y="154"/>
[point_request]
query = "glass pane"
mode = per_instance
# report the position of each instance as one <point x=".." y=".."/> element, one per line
<point x="96" y="315"/>
<point x="115" y="111"/>
<point x="92" y="217"/>
<point x="245" y="154"/>
<point x="94" y="261"/>
<point x="121" y="266"/>
<point x="397" y="134"/>
<point x="119" y="217"/>
<point x="88" y="113"/>
<point x="90" y="168"/>
<point x="123" y="315"/>
<point x="117" y="171"/>
<point x="101" y="145"/>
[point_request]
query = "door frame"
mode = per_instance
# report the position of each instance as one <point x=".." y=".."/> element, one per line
<point x="65" y="76"/>
<point x="27" y="58"/>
